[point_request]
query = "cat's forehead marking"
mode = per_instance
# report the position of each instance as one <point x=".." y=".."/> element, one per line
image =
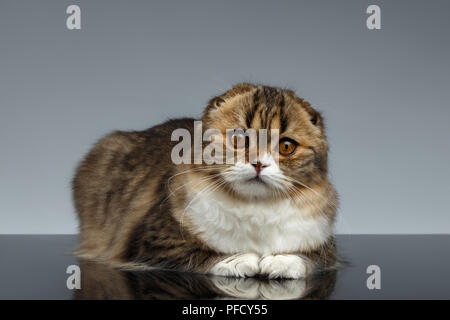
<point x="262" y="107"/>
<point x="267" y="109"/>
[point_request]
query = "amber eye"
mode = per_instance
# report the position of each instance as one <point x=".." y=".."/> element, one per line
<point x="287" y="147"/>
<point x="239" y="140"/>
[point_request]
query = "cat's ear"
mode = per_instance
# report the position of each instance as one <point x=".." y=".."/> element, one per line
<point x="241" y="88"/>
<point x="217" y="102"/>
<point x="213" y="105"/>
<point x="238" y="89"/>
<point x="316" y="118"/>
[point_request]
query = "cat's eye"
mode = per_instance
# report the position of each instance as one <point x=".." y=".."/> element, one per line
<point x="239" y="140"/>
<point x="287" y="147"/>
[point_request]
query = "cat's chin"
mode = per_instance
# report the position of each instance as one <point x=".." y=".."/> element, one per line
<point x="253" y="188"/>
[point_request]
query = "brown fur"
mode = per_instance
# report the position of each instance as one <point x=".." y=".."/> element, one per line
<point x="129" y="217"/>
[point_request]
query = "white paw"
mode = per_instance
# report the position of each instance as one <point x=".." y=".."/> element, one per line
<point x="283" y="266"/>
<point x="238" y="265"/>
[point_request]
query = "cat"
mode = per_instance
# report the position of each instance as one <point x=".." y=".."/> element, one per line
<point x="275" y="219"/>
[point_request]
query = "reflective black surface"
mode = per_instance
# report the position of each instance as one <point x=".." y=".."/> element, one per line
<point x="412" y="267"/>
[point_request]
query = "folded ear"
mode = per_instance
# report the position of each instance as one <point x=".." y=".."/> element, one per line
<point x="213" y="105"/>
<point x="238" y="89"/>
<point x="315" y="116"/>
<point x="216" y="102"/>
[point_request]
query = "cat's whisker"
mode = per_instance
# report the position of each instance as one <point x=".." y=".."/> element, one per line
<point x="305" y="186"/>
<point x="203" y="168"/>
<point x="298" y="194"/>
<point x="172" y="192"/>
<point x="283" y="186"/>
<point x="278" y="182"/>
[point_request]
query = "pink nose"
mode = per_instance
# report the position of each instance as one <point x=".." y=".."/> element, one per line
<point x="258" y="167"/>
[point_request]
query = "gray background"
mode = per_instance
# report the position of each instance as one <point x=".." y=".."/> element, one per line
<point x="135" y="63"/>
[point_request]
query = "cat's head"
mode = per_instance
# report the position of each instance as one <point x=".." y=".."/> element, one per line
<point x="296" y="159"/>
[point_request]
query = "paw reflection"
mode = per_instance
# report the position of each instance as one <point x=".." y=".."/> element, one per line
<point x="99" y="281"/>
<point x="283" y="290"/>
<point x="243" y="288"/>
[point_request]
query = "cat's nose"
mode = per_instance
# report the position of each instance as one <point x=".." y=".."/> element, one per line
<point x="259" y="166"/>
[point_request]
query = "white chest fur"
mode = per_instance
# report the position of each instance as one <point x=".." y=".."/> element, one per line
<point x="260" y="227"/>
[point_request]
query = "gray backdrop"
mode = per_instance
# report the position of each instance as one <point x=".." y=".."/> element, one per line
<point x="385" y="94"/>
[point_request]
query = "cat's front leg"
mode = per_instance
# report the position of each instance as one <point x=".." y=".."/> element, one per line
<point x="237" y="265"/>
<point x="286" y="266"/>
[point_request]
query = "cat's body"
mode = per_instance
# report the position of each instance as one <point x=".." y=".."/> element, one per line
<point x="138" y="208"/>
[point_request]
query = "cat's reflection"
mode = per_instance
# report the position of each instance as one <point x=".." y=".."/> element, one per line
<point x="99" y="281"/>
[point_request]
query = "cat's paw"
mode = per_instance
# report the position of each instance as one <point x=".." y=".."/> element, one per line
<point x="286" y="266"/>
<point x="238" y="265"/>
